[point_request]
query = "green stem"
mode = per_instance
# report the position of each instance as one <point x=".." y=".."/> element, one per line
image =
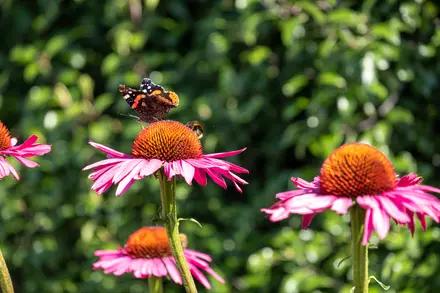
<point x="5" y="278"/>
<point x="359" y="251"/>
<point x="155" y="285"/>
<point x="169" y="213"/>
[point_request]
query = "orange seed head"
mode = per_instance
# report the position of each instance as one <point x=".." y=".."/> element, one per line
<point x="150" y="242"/>
<point x="167" y="141"/>
<point x="357" y="169"/>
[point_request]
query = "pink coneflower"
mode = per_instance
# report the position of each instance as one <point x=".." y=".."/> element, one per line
<point x="148" y="253"/>
<point x="165" y="143"/>
<point x="360" y="174"/>
<point x="28" y="149"/>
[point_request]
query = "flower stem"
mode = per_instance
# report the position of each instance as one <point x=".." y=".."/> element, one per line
<point x="155" y="285"/>
<point x="359" y="251"/>
<point x="5" y="278"/>
<point x="169" y="213"/>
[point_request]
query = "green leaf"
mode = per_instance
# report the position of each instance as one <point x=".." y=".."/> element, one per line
<point x="190" y="220"/>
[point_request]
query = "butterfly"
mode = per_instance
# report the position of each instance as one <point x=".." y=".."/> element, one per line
<point x="151" y="101"/>
<point x="196" y="127"/>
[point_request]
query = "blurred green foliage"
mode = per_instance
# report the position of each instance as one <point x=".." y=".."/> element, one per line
<point x="290" y="80"/>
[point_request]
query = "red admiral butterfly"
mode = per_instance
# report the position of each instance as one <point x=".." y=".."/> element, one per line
<point x="151" y="101"/>
<point x="196" y="127"/>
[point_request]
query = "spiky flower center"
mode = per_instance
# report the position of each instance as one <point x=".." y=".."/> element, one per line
<point x="150" y="242"/>
<point x="167" y="141"/>
<point x="5" y="137"/>
<point x="357" y="169"/>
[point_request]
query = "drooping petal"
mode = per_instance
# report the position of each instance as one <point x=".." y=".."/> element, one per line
<point x="342" y="204"/>
<point x="26" y="162"/>
<point x="188" y="172"/>
<point x="225" y="154"/>
<point x="113" y="153"/>
<point x="172" y="270"/>
<point x="306" y="220"/>
<point x="368" y="227"/>
<point x="150" y="166"/>
<point x="200" y="177"/>
<point x="6" y="169"/>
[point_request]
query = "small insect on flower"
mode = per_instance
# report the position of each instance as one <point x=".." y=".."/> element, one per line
<point x="151" y="101"/>
<point x="196" y="127"/>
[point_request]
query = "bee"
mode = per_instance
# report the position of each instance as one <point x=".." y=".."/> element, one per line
<point x="196" y="127"/>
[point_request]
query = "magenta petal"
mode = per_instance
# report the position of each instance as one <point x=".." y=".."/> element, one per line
<point x="302" y="184"/>
<point x="225" y="154"/>
<point x="276" y="214"/>
<point x="216" y="178"/>
<point x="198" y="275"/>
<point x="6" y="169"/>
<point x="30" y="141"/>
<point x="106" y="252"/>
<point x="126" y="168"/>
<point x="306" y="220"/>
<point x="168" y="169"/>
<point x="200" y="177"/>
<point x="422" y="220"/>
<point x="188" y="172"/>
<point x="172" y="270"/>
<point x="26" y="162"/>
<point x="149" y="167"/>
<point x="103" y="163"/>
<point x="159" y="269"/>
<point x="368" y="227"/>
<point x="108" y="150"/>
<point x="395" y="210"/>
<point x="381" y="222"/>
<point x="342" y="204"/>
<point x="198" y="254"/>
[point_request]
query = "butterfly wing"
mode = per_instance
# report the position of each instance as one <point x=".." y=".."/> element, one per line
<point x="151" y="101"/>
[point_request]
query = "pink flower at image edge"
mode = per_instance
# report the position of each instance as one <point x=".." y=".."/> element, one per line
<point x="20" y="152"/>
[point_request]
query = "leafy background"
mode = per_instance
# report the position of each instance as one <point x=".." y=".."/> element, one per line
<point x="290" y="80"/>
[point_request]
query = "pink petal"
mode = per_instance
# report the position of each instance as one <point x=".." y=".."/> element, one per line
<point x="128" y="180"/>
<point x="302" y="184"/>
<point x="26" y="162"/>
<point x="168" y="169"/>
<point x="103" y="163"/>
<point x="395" y="210"/>
<point x="108" y="150"/>
<point x="306" y="220"/>
<point x="422" y="220"/>
<point x="216" y="178"/>
<point x="30" y="141"/>
<point x="198" y="254"/>
<point x="188" y="172"/>
<point x="6" y="169"/>
<point x="172" y="270"/>
<point x="342" y="204"/>
<point x="150" y="166"/>
<point x="200" y="177"/>
<point x="225" y="154"/>
<point x="276" y="214"/>
<point x="198" y="275"/>
<point x="368" y="227"/>
<point x="381" y="222"/>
